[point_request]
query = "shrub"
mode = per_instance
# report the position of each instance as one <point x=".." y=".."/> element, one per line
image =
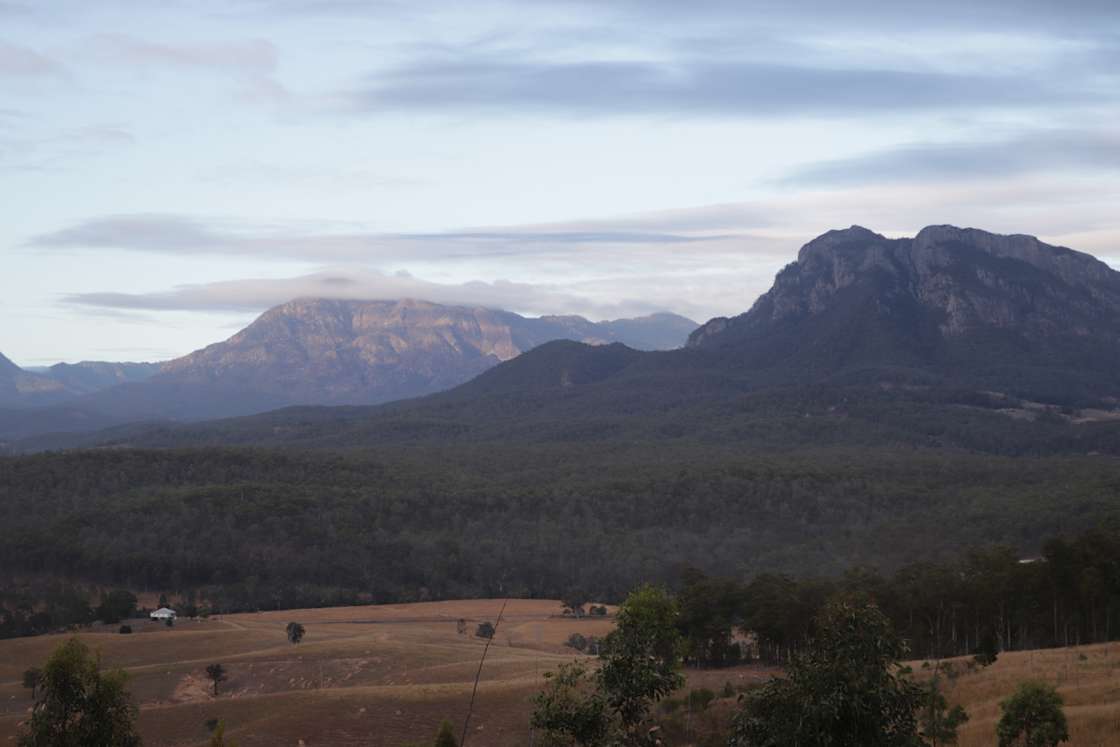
<point x="484" y="630"/>
<point x="125" y="629"/>
<point x="1032" y="717"/>
<point x="576" y="641"/>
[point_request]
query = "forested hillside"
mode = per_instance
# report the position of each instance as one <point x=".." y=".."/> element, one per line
<point x="264" y="529"/>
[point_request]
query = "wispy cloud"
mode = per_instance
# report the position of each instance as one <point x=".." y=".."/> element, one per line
<point x="60" y="150"/>
<point x="255" y="294"/>
<point x="688" y="88"/>
<point x="255" y="56"/>
<point x="20" y="61"/>
<point x="1033" y="151"/>
<point x="176" y="234"/>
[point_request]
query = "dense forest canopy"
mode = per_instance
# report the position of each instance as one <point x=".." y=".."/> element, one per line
<point x="253" y="528"/>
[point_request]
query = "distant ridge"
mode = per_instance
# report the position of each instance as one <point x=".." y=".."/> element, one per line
<point x="328" y="352"/>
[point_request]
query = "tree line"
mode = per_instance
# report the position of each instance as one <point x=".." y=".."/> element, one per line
<point x="989" y="600"/>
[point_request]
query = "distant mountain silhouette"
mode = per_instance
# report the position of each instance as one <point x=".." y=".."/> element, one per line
<point x="19" y="388"/>
<point x="333" y="352"/>
<point x="93" y="376"/>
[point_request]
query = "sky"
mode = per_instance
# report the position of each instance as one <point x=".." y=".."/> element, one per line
<point x="169" y="170"/>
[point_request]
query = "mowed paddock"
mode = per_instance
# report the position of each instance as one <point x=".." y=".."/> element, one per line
<point x="387" y="675"/>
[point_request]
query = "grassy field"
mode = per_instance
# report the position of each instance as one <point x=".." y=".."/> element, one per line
<point x="383" y="675"/>
<point x="387" y="675"/>
<point x="1087" y="677"/>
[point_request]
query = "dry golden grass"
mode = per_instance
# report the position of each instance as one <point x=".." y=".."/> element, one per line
<point x="373" y="675"/>
<point x="1090" y="687"/>
<point x="387" y="675"/>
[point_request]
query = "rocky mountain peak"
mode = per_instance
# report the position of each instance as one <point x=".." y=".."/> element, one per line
<point x="857" y="298"/>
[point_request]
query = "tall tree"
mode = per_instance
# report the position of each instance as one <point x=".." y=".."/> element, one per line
<point x="939" y="723"/>
<point x="845" y="690"/>
<point x="640" y="657"/>
<point x="79" y="705"/>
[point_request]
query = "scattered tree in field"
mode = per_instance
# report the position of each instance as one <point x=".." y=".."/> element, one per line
<point x="843" y="691"/>
<point x="598" y="610"/>
<point x="461" y="627"/>
<point x="1032" y="717"/>
<point x="484" y="630"/>
<point x="295" y="632"/>
<point x="218" y="737"/>
<point x="576" y="641"/>
<point x="78" y="705"/>
<point x="938" y="722"/>
<point x="32" y="678"/>
<point x="573" y="602"/>
<point x="446" y="736"/>
<point x="216" y="673"/>
<point x="117" y="605"/>
<point x="162" y="600"/>
<point x="572" y="709"/>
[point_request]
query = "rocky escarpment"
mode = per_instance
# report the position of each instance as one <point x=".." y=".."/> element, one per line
<point x="963" y="280"/>
<point x="964" y="304"/>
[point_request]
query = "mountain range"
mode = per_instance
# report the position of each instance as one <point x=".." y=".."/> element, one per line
<point x="953" y="337"/>
<point x="308" y="351"/>
<point x="887" y="401"/>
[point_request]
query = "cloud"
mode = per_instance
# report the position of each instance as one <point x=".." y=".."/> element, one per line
<point x="253" y="295"/>
<point x="176" y="234"/>
<point x="19" y="61"/>
<point x="254" y="56"/>
<point x="60" y="150"/>
<point x="686" y="87"/>
<point x="1049" y="150"/>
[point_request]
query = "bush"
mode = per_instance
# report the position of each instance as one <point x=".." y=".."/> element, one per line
<point x="576" y="641"/>
<point x="598" y="610"/>
<point x="484" y="630"/>
<point x="125" y="629"/>
<point x="1032" y="717"/>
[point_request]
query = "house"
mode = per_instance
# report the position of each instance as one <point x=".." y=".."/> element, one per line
<point x="163" y="613"/>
